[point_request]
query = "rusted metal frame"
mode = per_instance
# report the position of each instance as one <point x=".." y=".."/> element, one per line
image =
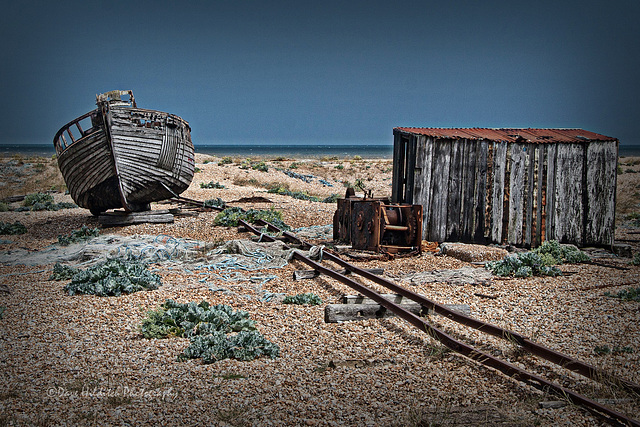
<point x="452" y="343"/>
<point x="558" y="358"/>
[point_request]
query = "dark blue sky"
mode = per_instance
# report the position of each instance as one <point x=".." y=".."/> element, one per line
<point x="324" y="71"/>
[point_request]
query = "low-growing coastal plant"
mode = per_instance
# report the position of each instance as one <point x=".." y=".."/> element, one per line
<point x="15" y="228"/>
<point x="225" y="161"/>
<point x="4" y="207"/>
<point x="541" y="261"/>
<point x="211" y="184"/>
<point x="629" y="294"/>
<point x="301" y="195"/>
<point x="245" y="345"/>
<point x="302" y="299"/>
<point x="113" y="277"/>
<point x="604" y="350"/>
<point x="215" y="332"/>
<point x="81" y="234"/>
<point x="260" y="166"/>
<point x="562" y="254"/>
<point x="230" y="217"/>
<point x="191" y="319"/>
<point x="32" y="199"/>
<point x="63" y="272"/>
<point x="636" y="259"/>
<point x="214" y="203"/>
<point x="43" y="202"/>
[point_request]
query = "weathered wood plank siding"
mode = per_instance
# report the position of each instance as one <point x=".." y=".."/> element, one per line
<point x="480" y="199"/>
<point x="410" y="170"/>
<point x="468" y="190"/>
<point x="440" y="188"/>
<point x="601" y="176"/>
<point x="516" y="193"/>
<point x="422" y="170"/>
<point x="499" y="170"/>
<point x="530" y="193"/>
<point x="568" y="203"/>
<point x="455" y="190"/>
<point x="397" y="186"/>
<point x="539" y="221"/>
<point x="520" y="193"/>
<point x="552" y="151"/>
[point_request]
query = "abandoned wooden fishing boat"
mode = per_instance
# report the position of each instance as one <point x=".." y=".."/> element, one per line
<point x="123" y="156"/>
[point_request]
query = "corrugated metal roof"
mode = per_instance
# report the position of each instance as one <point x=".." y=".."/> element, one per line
<point x="510" y="135"/>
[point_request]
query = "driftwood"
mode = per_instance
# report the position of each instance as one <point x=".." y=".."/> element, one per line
<point x="118" y="218"/>
<point x="12" y="199"/>
<point x="334" y="313"/>
<point x="310" y="274"/>
<point x="557" y="404"/>
<point x="358" y="307"/>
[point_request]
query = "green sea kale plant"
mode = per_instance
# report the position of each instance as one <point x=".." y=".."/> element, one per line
<point x="113" y="277"/>
<point x="215" y="332"/>
<point x="301" y="299"/>
<point x="80" y="235"/>
<point x="541" y="261"/>
<point x="63" y="272"/>
<point x="15" y="228"/>
<point x="43" y="202"/>
<point x="629" y="294"/>
<point x="230" y="217"/>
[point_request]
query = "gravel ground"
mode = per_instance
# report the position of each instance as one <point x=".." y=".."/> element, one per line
<point x="82" y="360"/>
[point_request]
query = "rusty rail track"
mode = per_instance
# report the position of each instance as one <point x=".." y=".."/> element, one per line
<point x="459" y="346"/>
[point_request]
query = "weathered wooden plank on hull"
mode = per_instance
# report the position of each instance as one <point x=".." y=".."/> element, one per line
<point x="442" y="160"/>
<point x="455" y="190"/>
<point x="497" y="202"/>
<point x="601" y="161"/>
<point x="516" y="193"/>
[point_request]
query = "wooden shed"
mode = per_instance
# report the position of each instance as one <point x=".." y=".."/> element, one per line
<point x="508" y="186"/>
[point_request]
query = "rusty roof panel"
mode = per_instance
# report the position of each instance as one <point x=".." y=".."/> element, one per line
<point x="510" y="135"/>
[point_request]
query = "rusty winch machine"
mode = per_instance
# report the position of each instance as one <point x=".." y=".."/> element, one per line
<point x="376" y="224"/>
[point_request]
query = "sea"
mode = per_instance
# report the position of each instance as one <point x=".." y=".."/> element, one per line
<point x="296" y="151"/>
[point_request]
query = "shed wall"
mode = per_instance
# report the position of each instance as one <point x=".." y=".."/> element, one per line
<point x="515" y="193"/>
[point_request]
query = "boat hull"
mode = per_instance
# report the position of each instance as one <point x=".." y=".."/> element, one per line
<point x="128" y="159"/>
